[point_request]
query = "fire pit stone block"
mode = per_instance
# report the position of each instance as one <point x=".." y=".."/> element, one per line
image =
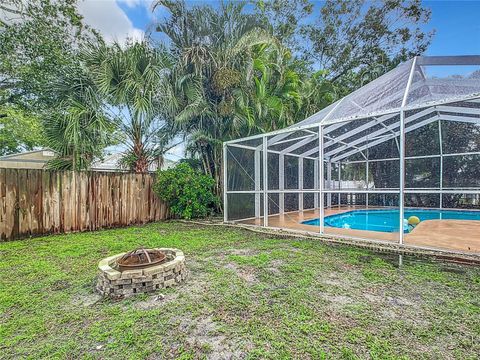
<point x="116" y="284"/>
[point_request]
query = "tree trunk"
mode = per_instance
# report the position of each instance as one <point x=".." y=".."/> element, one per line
<point x="141" y="161"/>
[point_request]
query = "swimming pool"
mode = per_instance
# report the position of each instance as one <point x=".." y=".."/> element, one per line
<point x="386" y="220"/>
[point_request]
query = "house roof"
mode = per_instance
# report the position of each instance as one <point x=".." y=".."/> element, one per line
<point x="111" y="163"/>
<point x="24" y="155"/>
<point x="41" y="156"/>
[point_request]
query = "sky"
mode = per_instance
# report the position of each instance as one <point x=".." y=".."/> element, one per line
<point x="457" y="27"/>
<point x="456" y="23"/>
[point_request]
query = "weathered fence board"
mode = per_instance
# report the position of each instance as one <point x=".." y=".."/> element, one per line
<point x="35" y="202"/>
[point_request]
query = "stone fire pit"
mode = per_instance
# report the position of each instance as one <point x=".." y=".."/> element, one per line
<point x="115" y="283"/>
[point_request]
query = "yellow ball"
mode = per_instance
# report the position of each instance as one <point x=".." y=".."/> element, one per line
<point x="413" y="220"/>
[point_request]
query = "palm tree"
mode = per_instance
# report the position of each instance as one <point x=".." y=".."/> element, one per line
<point x="132" y="80"/>
<point x="231" y="79"/>
<point x="317" y="93"/>
<point x="214" y="50"/>
<point x="114" y="98"/>
<point x="79" y="128"/>
<point x="271" y="97"/>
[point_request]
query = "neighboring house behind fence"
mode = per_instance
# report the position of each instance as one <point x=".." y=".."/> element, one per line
<point x="35" y="159"/>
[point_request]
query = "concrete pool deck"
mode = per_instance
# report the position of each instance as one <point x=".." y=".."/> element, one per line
<point x="456" y="235"/>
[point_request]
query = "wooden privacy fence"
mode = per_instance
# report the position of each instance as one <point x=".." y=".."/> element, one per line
<point x="35" y="202"/>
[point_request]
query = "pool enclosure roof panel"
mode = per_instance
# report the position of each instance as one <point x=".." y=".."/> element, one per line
<point x="426" y="88"/>
<point x="420" y="82"/>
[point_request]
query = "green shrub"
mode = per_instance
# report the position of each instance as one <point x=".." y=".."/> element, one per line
<point x="188" y="193"/>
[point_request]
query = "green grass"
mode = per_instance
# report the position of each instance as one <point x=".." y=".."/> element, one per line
<point x="248" y="296"/>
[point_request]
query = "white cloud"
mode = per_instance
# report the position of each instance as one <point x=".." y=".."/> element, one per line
<point x="110" y="20"/>
<point x="147" y="4"/>
<point x="131" y="3"/>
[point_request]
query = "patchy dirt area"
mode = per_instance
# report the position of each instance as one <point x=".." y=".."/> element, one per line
<point x="247" y="296"/>
<point x="204" y="333"/>
<point x="247" y="274"/>
<point x="87" y="300"/>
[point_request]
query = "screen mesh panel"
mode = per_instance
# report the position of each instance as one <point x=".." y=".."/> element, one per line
<point x="308" y="174"/>
<point x="461" y="171"/>
<point x="241" y="173"/>
<point x="291" y="172"/>
<point x="423" y="141"/>
<point x="422" y="200"/>
<point x="383" y="200"/>
<point x="422" y="173"/>
<point x="242" y="206"/>
<point x="437" y="82"/>
<point x="460" y="137"/>
<point x="385" y="174"/>
<point x="273" y="203"/>
<point x="291" y="202"/>
<point x="273" y="170"/>
<point x="461" y="201"/>
<point x="354" y="176"/>
<point x="308" y="201"/>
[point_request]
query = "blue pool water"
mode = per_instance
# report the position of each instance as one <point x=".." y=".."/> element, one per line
<point x="386" y="220"/>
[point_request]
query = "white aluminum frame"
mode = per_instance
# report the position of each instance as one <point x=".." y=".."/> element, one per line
<point x="318" y="128"/>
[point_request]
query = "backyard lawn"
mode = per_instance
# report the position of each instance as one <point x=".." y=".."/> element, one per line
<point x="248" y="296"/>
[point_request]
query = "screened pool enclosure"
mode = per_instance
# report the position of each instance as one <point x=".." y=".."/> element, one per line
<point x="396" y="160"/>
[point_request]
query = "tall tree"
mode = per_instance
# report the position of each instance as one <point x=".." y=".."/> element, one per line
<point x="82" y="125"/>
<point x="40" y="39"/>
<point x="341" y="36"/>
<point x="19" y="130"/>
<point x="115" y="97"/>
<point x="225" y="79"/>
<point x="132" y="81"/>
